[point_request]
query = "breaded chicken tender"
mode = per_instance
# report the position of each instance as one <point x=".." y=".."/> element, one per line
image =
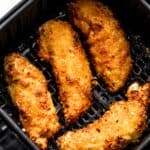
<point x="119" y="126"/>
<point x="107" y="45"/>
<point x="29" y="92"/>
<point x="59" y="45"/>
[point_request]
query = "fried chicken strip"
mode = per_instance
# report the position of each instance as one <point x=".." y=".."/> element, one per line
<point x="59" y="45"/>
<point x="29" y="92"/>
<point x="119" y="126"/>
<point x="108" y="47"/>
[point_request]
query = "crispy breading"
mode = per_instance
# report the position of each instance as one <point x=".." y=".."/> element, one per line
<point x="141" y="94"/>
<point x="106" y="41"/>
<point x="59" y="45"/>
<point x="29" y="92"/>
<point x="119" y="126"/>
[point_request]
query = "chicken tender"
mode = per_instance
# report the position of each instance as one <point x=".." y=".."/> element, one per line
<point x="119" y="126"/>
<point x="141" y="94"/>
<point x="107" y="45"/>
<point x="29" y="92"/>
<point x="59" y="45"/>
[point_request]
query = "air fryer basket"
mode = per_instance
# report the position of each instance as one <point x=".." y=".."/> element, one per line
<point x="18" y="33"/>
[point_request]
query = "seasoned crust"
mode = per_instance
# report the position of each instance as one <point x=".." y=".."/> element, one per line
<point x="108" y="46"/>
<point x="29" y="92"/>
<point x="59" y="45"/>
<point x="140" y="93"/>
<point x="122" y="124"/>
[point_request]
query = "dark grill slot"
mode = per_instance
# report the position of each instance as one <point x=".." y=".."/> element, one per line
<point x="145" y="145"/>
<point x="8" y="139"/>
<point x="148" y="1"/>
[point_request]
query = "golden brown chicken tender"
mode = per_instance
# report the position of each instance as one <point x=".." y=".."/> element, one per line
<point x="121" y="125"/>
<point x="141" y="94"/>
<point x="107" y="44"/>
<point x="59" y="45"/>
<point x="29" y="92"/>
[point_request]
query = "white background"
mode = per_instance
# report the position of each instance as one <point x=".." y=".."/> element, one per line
<point x="6" y="5"/>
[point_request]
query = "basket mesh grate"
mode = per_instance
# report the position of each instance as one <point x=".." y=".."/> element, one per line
<point x="101" y="97"/>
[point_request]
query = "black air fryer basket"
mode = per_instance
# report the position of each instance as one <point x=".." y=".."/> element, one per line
<point x="18" y="32"/>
